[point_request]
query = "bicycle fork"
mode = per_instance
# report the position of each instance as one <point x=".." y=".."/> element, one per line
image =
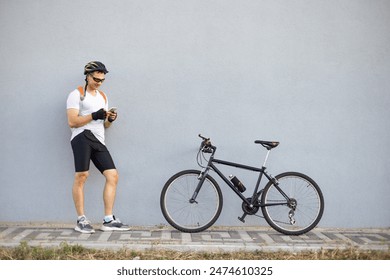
<point x="201" y="178"/>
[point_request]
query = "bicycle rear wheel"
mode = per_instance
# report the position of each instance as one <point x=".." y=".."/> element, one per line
<point x="189" y="216"/>
<point x="301" y="213"/>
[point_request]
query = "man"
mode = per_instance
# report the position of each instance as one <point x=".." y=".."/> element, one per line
<point x="88" y="117"/>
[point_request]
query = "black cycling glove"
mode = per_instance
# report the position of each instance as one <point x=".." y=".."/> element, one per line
<point x="99" y="115"/>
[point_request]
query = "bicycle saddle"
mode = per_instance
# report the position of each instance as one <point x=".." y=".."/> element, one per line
<point x="267" y="144"/>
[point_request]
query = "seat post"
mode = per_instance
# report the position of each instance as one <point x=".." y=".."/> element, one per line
<point x="266" y="157"/>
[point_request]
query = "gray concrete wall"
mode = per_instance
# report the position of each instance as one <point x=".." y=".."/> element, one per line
<point x="313" y="75"/>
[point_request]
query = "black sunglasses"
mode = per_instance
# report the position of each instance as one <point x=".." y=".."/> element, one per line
<point x="97" y="80"/>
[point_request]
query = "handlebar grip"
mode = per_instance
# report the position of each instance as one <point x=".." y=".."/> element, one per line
<point x="204" y="138"/>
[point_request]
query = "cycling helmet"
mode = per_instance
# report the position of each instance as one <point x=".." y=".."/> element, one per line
<point x="95" y="66"/>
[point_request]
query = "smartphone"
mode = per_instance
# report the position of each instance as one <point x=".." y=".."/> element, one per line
<point x="113" y="109"/>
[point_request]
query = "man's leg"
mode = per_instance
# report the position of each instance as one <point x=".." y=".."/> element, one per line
<point x="110" y="190"/>
<point x="110" y="223"/>
<point x="83" y="225"/>
<point x="78" y="191"/>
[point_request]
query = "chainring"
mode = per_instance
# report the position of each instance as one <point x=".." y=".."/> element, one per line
<point x="249" y="210"/>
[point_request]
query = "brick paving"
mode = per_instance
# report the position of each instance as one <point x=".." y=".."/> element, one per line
<point x="215" y="239"/>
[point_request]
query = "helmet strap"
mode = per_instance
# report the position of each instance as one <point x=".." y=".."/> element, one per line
<point x="85" y="90"/>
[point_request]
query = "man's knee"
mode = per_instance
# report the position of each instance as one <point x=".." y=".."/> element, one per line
<point x="111" y="175"/>
<point x="81" y="177"/>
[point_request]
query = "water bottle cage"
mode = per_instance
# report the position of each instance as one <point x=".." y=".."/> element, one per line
<point x="238" y="184"/>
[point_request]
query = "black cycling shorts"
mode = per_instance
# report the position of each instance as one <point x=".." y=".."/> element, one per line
<point x="87" y="147"/>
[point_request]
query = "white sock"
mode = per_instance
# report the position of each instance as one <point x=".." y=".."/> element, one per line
<point x="108" y="218"/>
<point x="79" y="217"/>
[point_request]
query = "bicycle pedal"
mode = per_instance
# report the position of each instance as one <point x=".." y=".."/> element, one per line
<point x="242" y="219"/>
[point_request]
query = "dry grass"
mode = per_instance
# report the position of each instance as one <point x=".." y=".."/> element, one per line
<point x="76" y="252"/>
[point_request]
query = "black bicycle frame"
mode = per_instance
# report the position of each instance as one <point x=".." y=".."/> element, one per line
<point x="255" y="194"/>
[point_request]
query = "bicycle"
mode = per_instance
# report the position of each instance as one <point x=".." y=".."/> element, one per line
<point x="191" y="201"/>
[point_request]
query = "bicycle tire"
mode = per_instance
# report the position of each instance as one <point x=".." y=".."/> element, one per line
<point x="309" y="203"/>
<point x="180" y="212"/>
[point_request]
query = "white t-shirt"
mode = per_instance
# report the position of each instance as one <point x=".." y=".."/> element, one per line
<point x="89" y="105"/>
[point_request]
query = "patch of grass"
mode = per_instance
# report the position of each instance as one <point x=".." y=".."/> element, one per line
<point x="77" y="252"/>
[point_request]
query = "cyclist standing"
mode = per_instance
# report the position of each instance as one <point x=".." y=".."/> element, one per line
<point x="88" y="117"/>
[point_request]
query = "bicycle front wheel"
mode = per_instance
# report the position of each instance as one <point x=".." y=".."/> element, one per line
<point x="300" y="212"/>
<point x="185" y="215"/>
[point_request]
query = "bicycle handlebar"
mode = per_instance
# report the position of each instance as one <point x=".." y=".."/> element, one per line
<point x="206" y="145"/>
<point x="204" y="138"/>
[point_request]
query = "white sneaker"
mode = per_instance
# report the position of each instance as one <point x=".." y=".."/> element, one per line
<point x="114" y="225"/>
<point x="84" y="226"/>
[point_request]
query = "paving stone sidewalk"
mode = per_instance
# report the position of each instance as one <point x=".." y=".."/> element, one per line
<point x="215" y="239"/>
